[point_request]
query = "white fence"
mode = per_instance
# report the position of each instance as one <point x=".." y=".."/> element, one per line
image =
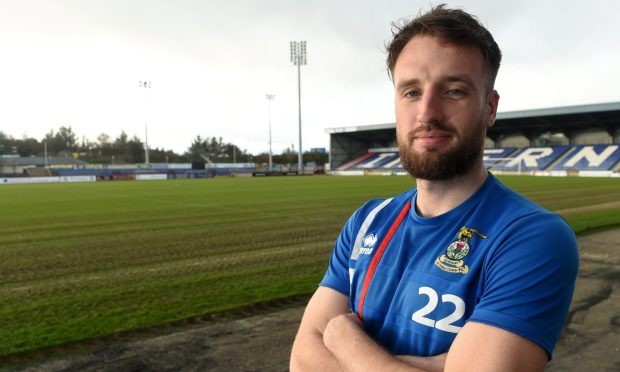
<point x="31" y="180"/>
<point x="151" y="177"/>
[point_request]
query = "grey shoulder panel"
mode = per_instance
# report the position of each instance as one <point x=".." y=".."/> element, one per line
<point x="355" y="252"/>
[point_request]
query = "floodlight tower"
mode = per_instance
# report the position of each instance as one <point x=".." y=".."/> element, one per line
<point x="298" y="58"/>
<point x="270" y="97"/>
<point x="146" y="85"/>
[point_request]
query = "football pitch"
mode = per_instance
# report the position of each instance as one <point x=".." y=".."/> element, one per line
<point x="83" y="260"/>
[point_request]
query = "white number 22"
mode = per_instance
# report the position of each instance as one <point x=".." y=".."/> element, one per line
<point x="444" y="324"/>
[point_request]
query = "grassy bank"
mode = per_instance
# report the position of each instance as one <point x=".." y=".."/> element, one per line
<point x="83" y="260"/>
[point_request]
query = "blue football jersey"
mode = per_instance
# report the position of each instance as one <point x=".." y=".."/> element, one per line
<point x="497" y="259"/>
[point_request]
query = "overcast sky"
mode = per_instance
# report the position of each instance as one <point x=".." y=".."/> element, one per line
<point x="77" y="63"/>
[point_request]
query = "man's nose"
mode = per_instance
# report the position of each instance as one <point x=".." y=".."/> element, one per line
<point x="429" y="109"/>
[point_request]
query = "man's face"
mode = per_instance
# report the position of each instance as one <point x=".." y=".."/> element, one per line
<point x="442" y="108"/>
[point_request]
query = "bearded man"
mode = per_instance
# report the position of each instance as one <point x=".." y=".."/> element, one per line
<point x="459" y="273"/>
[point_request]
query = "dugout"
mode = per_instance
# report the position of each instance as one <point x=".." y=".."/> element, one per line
<point x="592" y="124"/>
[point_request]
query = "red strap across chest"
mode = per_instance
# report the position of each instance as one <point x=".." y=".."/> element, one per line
<point x="378" y="254"/>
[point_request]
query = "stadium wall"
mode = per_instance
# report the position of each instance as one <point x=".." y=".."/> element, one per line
<point x="593" y="136"/>
<point x="514" y="140"/>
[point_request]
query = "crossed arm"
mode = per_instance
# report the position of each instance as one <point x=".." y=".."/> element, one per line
<point x="330" y="338"/>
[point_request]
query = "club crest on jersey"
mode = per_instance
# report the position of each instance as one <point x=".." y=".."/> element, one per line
<point x="368" y="244"/>
<point x="452" y="261"/>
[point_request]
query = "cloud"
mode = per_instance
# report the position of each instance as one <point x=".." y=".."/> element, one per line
<point x="77" y="63"/>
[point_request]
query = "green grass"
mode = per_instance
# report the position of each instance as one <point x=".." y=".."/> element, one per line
<point x="84" y="260"/>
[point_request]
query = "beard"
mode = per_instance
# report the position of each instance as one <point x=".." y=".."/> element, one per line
<point x="442" y="164"/>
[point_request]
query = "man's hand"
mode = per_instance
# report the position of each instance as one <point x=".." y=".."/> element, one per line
<point x="341" y="328"/>
<point x="346" y="339"/>
<point x="330" y="338"/>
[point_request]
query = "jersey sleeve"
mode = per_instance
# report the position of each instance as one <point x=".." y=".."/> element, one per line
<point x="528" y="282"/>
<point x="337" y="274"/>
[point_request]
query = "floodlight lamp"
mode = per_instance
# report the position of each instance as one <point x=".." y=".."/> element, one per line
<point x="293" y="51"/>
<point x="302" y="53"/>
<point x="298" y="53"/>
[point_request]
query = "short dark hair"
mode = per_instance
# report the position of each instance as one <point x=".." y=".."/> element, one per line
<point x="451" y="26"/>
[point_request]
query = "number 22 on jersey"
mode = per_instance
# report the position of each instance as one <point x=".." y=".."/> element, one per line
<point x="443" y="324"/>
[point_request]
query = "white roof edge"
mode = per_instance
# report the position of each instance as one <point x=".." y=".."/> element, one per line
<point x="358" y="128"/>
<point x="562" y="110"/>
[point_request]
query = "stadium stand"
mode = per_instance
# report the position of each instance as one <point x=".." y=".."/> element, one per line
<point x="378" y="160"/>
<point x="552" y="158"/>
<point x="532" y="158"/>
<point x="67" y="168"/>
<point x="34" y="166"/>
<point x="563" y="140"/>
<point x="112" y="172"/>
<point x="590" y="157"/>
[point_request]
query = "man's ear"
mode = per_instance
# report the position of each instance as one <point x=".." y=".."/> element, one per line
<point x="492" y="102"/>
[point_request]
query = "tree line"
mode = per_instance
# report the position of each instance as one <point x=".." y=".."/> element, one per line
<point x="105" y="150"/>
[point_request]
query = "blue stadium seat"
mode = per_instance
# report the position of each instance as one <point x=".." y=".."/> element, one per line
<point x="492" y="154"/>
<point x="532" y="158"/>
<point x="590" y="157"/>
<point x="378" y="160"/>
<point x="561" y="157"/>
